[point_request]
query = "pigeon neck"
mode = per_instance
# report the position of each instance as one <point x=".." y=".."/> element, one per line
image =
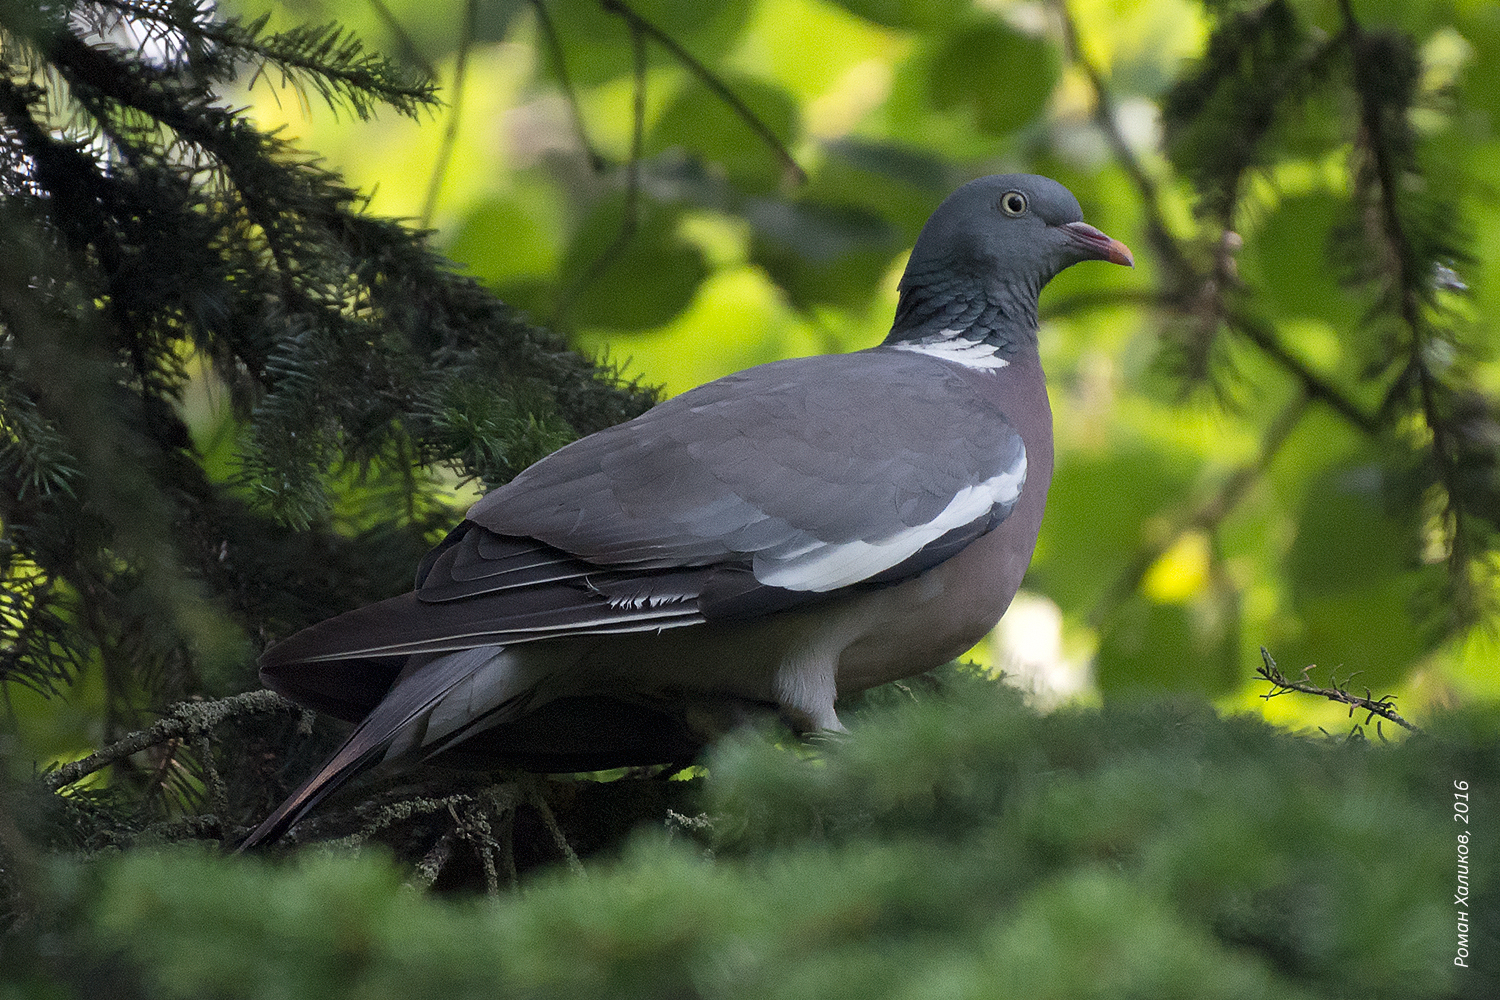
<point x="966" y="322"/>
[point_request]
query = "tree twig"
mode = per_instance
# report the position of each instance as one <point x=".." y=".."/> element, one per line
<point x="404" y="41"/>
<point x="1384" y="706"/>
<point x="1159" y="232"/>
<point x="790" y="167"/>
<point x="187" y="718"/>
<point x="433" y="862"/>
<point x="559" y="838"/>
<point x="1315" y="385"/>
<point x="631" y="219"/>
<point x="455" y="110"/>
<point x="560" y="66"/>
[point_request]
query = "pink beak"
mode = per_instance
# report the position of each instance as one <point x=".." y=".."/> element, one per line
<point x="1099" y="246"/>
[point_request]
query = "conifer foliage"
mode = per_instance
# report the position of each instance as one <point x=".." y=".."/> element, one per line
<point x="151" y="235"/>
<point x="1273" y="83"/>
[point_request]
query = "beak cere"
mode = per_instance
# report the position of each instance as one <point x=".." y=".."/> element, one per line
<point x="1098" y="246"/>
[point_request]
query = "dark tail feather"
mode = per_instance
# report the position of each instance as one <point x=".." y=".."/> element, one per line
<point x="400" y="720"/>
<point x="357" y="754"/>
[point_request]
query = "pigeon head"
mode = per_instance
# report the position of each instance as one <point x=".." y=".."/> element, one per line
<point x="982" y="259"/>
<point x="1012" y="225"/>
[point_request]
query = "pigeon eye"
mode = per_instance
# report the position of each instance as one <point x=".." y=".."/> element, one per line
<point x="1013" y="203"/>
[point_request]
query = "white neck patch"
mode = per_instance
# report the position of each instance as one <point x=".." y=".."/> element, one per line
<point x="952" y="347"/>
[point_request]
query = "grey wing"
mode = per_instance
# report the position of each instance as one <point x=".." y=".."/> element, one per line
<point x="749" y="495"/>
<point x="812" y="474"/>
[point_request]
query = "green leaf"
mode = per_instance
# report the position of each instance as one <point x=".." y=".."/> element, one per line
<point x="901" y="183"/>
<point x="1001" y="76"/>
<point x="1096" y="512"/>
<point x="702" y="123"/>
<point x="821" y="252"/>
<point x="1352" y="580"/>
<point x="639" y="282"/>
<point x="501" y="239"/>
<point x="905" y="14"/>
<point x="1190" y="646"/>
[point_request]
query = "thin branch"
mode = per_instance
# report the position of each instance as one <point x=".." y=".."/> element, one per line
<point x="455" y="111"/>
<point x="792" y="171"/>
<point x="506" y="838"/>
<point x="1104" y="298"/>
<point x="1178" y="261"/>
<point x="1315" y="385"/>
<point x="474" y="826"/>
<point x="631" y="219"/>
<point x="218" y="793"/>
<point x="188" y="718"/>
<point x="404" y="41"/>
<point x="560" y="67"/>
<point x="1384" y="706"/>
<point x="559" y="839"/>
<point x="433" y="862"/>
<point x="1104" y="115"/>
<point x="373" y="816"/>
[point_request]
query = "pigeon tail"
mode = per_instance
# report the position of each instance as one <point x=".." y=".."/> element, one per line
<point x="440" y="702"/>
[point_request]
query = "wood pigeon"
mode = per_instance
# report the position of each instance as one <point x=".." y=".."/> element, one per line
<point x="779" y="537"/>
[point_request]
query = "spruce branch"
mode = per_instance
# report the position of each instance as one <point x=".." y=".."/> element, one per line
<point x="325" y="57"/>
<point x="188" y="719"/>
<point x="1412" y="242"/>
<point x="38" y="649"/>
<point x="1384" y="706"/>
<point x="335" y="63"/>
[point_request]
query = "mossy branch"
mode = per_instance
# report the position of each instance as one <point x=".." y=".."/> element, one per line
<point x="183" y="720"/>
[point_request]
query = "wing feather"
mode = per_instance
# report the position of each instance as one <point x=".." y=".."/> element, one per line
<point x="820" y="476"/>
<point x="752" y="494"/>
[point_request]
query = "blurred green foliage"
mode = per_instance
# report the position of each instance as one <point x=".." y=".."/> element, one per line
<point x="955" y="846"/>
